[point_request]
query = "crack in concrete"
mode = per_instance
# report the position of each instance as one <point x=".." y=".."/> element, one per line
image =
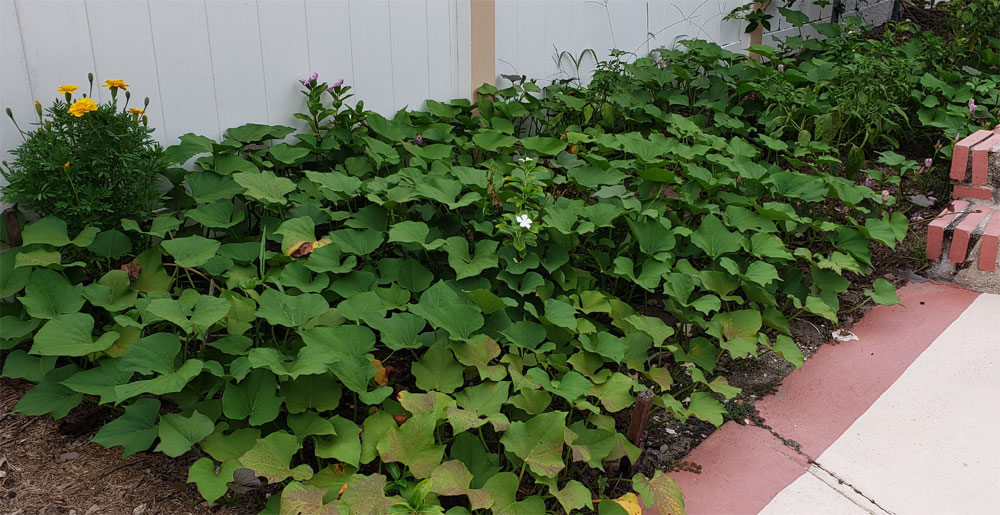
<point x="841" y="481"/>
<point x="797" y="447"/>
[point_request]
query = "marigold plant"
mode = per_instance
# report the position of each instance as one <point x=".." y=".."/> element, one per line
<point x="87" y="163"/>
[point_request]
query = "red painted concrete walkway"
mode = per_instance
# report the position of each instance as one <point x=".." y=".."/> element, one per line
<point x="745" y="467"/>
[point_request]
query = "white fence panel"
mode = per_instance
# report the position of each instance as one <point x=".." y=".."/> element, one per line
<point x="57" y="46"/>
<point x="113" y="58"/>
<point x="371" y="50"/>
<point x="184" y="67"/>
<point x="442" y="79"/>
<point x="552" y="40"/>
<point x="330" y="47"/>
<point x="285" y="49"/>
<point x="15" y="88"/>
<point x="208" y="65"/>
<point x="409" y="37"/>
<point x="237" y="63"/>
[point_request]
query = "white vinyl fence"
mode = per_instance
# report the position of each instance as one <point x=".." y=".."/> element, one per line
<point x="208" y="65"/>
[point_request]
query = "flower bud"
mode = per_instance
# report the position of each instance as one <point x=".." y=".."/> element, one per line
<point x="885" y="195"/>
<point x="928" y="162"/>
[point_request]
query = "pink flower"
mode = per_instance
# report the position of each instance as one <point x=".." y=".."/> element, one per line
<point x="869" y="182"/>
<point x="885" y="195"/>
<point x="310" y="79"/>
<point x="937" y="146"/>
<point x="419" y="140"/>
<point x="972" y="106"/>
<point x="926" y="166"/>
<point x="335" y="85"/>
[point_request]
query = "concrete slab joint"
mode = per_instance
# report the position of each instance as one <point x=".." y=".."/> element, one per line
<point x="965" y="238"/>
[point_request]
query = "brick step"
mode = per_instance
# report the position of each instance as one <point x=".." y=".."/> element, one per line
<point x="969" y="229"/>
<point x="956" y="231"/>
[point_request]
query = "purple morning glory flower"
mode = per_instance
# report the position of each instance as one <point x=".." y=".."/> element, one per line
<point x="869" y="182"/>
<point x="928" y="162"/>
<point x="972" y="106"/>
<point x="310" y="79"/>
<point x="419" y="140"/>
<point x="885" y="195"/>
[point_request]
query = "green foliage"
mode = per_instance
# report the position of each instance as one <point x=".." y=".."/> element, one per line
<point x="441" y="298"/>
<point x="90" y="170"/>
<point x="974" y="23"/>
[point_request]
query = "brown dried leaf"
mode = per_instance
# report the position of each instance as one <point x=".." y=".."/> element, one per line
<point x="133" y="270"/>
<point x="301" y="249"/>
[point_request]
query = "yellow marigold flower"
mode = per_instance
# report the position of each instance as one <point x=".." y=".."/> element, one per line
<point x="115" y="83"/>
<point x="135" y="111"/>
<point x="66" y="165"/>
<point x="67" y="88"/>
<point x="82" y="107"/>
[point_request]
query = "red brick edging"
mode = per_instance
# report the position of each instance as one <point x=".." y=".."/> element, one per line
<point x="744" y="467"/>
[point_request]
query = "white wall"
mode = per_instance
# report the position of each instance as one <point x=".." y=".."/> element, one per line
<point x="532" y="34"/>
<point x="208" y="65"/>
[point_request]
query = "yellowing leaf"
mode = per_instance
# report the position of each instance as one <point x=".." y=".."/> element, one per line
<point x="661" y="492"/>
<point x="271" y="458"/>
<point x="381" y="376"/>
<point x="299" y="499"/>
<point x="630" y="502"/>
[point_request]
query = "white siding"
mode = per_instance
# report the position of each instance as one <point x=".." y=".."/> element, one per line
<point x="208" y="65"/>
<point x="550" y="40"/>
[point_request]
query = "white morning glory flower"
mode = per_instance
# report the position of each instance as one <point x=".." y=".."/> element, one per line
<point x="523" y="221"/>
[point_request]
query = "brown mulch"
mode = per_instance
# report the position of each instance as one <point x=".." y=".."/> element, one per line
<point x="50" y="467"/>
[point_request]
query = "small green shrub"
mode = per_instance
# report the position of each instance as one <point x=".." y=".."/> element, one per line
<point x="92" y="168"/>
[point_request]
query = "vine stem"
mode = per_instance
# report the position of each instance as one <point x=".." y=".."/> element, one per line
<point x="186" y="273"/>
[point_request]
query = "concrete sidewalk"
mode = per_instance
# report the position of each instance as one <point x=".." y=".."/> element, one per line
<point x="906" y="420"/>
